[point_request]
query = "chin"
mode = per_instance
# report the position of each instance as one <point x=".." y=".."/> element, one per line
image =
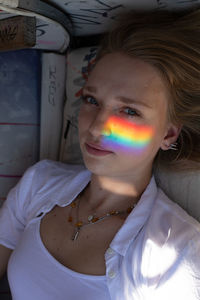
<point x="98" y="167"/>
<point x="93" y="166"/>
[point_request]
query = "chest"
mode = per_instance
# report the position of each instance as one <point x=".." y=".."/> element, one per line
<point x="84" y="255"/>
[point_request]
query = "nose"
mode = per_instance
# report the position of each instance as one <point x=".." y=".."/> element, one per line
<point x="98" y="126"/>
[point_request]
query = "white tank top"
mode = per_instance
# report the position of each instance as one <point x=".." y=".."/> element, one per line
<point x="33" y="273"/>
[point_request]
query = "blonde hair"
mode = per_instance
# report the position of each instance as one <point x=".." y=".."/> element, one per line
<point x="171" y="43"/>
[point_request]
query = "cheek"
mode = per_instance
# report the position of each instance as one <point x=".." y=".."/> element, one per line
<point x="82" y="118"/>
<point x="127" y="137"/>
<point x="84" y="121"/>
<point x="126" y="148"/>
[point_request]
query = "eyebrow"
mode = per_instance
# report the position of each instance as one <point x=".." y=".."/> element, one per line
<point x="120" y="98"/>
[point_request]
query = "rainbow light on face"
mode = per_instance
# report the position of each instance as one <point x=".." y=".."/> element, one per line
<point x="126" y="135"/>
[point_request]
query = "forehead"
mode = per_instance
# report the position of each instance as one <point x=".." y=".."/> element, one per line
<point x="118" y="73"/>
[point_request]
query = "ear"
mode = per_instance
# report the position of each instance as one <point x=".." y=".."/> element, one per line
<point x="171" y="136"/>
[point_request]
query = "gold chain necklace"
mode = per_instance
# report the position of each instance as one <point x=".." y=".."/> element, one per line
<point x="92" y="218"/>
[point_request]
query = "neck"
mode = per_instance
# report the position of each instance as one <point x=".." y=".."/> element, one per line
<point x="106" y="193"/>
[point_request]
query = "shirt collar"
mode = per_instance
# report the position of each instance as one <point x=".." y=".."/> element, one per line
<point x="133" y="223"/>
<point x="136" y="220"/>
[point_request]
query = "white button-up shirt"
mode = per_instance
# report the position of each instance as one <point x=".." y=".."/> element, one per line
<point x="155" y="255"/>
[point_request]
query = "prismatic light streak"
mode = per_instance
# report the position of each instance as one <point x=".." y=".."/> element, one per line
<point x="125" y="135"/>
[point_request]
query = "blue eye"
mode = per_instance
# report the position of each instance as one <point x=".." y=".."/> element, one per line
<point x="131" y="112"/>
<point x="90" y="100"/>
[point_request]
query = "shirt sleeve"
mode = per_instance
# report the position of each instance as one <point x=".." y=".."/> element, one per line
<point x="13" y="211"/>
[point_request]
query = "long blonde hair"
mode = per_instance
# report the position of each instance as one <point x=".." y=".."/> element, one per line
<point x="171" y="43"/>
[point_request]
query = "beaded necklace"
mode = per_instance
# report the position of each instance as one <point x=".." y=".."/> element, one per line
<point x="92" y="219"/>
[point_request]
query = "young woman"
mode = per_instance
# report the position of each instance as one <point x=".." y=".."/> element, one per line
<point x="105" y="230"/>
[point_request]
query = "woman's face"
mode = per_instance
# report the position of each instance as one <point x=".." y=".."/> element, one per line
<point x="123" y="116"/>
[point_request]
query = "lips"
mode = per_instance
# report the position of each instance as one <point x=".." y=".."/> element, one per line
<point x="96" y="150"/>
<point x="97" y="147"/>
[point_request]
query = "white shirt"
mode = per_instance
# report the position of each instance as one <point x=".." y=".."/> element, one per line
<point x="155" y="255"/>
